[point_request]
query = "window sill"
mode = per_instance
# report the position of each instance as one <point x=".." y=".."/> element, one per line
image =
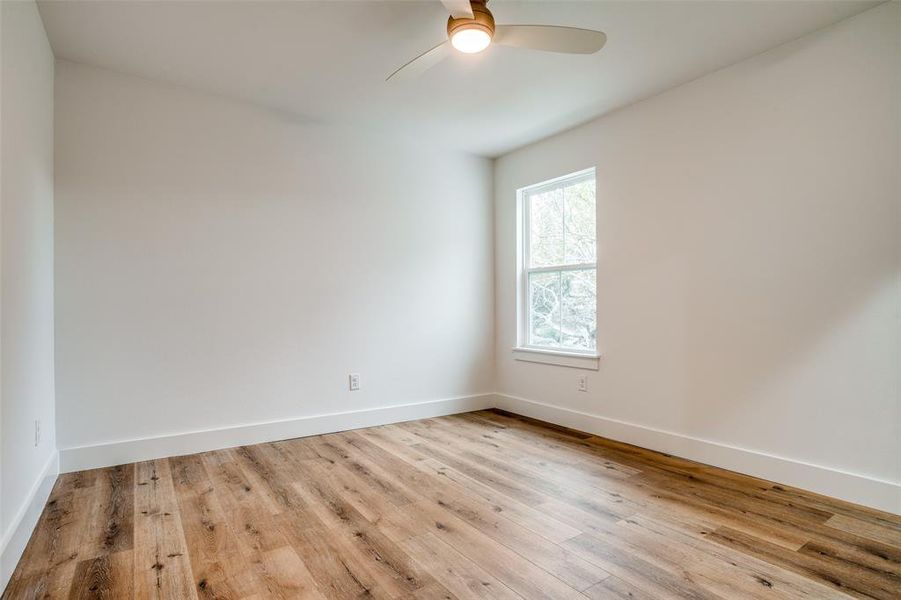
<point x="560" y="358"/>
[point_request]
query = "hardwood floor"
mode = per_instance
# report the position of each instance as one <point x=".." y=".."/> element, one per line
<point x="481" y="505"/>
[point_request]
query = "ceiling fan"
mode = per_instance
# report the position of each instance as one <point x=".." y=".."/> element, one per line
<point x="471" y="29"/>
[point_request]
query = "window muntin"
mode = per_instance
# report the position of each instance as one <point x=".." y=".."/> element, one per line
<point x="559" y="278"/>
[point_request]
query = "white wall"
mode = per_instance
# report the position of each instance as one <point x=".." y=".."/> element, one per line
<point x="26" y="275"/>
<point x="218" y="265"/>
<point x="749" y="276"/>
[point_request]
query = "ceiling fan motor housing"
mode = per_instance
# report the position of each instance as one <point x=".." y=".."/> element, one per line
<point x="481" y="19"/>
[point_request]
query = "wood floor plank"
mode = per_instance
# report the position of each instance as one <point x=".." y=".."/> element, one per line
<point x="286" y="577"/>
<point x="51" y="584"/>
<point x="481" y="505"/>
<point x="881" y="519"/>
<point x="799" y="522"/>
<point x="219" y="568"/>
<point x="653" y="576"/>
<point x="566" y="466"/>
<point x="570" y="459"/>
<point x="108" y="577"/>
<point x="460" y="575"/>
<point x="548" y="440"/>
<point x="332" y="450"/>
<point x="844" y="577"/>
<point x="279" y="495"/>
<point x="614" y="588"/>
<point x="550" y="481"/>
<point x="339" y="574"/>
<point x="480" y="514"/>
<point x="722" y="568"/>
<point x="516" y="572"/>
<point x="541" y="522"/>
<point x="390" y="567"/>
<point x="527" y="487"/>
<point x="59" y="539"/>
<point x="560" y="429"/>
<point x="161" y="565"/>
<point x="54" y="541"/>
<point x="868" y="528"/>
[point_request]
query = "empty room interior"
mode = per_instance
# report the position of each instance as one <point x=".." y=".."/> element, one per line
<point x="450" y="299"/>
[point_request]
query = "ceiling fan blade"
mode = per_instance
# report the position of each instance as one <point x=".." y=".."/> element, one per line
<point x="421" y="63"/>
<point x="458" y="8"/>
<point x="550" y="38"/>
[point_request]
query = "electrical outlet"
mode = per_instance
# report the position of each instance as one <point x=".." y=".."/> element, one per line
<point x="37" y="432"/>
<point x="354" y="381"/>
<point x="583" y="383"/>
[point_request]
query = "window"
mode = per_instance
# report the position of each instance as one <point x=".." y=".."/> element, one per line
<point x="558" y="277"/>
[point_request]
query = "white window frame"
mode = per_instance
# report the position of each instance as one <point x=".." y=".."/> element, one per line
<point x="566" y="357"/>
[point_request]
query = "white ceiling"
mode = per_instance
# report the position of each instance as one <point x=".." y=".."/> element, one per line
<point x="327" y="61"/>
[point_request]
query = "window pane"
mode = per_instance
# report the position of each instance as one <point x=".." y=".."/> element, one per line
<point x="544" y="313"/>
<point x="546" y="228"/>
<point x="561" y="234"/>
<point x="578" y="291"/>
<point x="579" y="223"/>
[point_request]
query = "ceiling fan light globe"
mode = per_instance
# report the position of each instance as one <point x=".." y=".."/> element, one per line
<point x="470" y="41"/>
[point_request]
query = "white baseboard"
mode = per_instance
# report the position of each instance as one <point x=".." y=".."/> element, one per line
<point x="16" y="537"/>
<point x="860" y="489"/>
<point x="128" y="451"/>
